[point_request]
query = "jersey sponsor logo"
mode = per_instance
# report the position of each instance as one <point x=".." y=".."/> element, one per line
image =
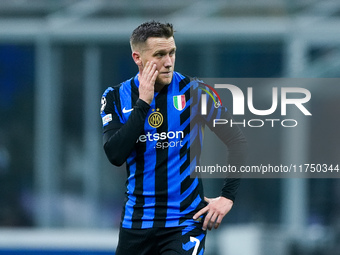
<point x="179" y="102"/>
<point x="103" y="103"/>
<point x="155" y="119"/>
<point x="163" y="140"/>
<point x="150" y="137"/>
<point x="127" y="110"/>
<point x="107" y="118"/>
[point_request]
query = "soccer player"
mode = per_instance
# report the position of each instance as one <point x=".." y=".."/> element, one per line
<point x="153" y="123"/>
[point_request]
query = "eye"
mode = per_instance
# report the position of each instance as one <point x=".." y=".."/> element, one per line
<point x="159" y="54"/>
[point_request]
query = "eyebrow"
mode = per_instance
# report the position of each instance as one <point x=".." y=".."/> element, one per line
<point x="162" y="51"/>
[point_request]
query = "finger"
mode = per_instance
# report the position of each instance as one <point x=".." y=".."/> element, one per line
<point x="151" y="74"/>
<point x="207" y="221"/>
<point x="147" y="68"/>
<point x="153" y="69"/>
<point x="218" y="221"/>
<point x="212" y="221"/>
<point x="148" y="65"/>
<point x="200" y="212"/>
<point x="154" y="76"/>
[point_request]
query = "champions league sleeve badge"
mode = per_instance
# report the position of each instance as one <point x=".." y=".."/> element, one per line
<point x="103" y="103"/>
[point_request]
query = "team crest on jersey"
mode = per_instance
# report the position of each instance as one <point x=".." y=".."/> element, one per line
<point x="179" y="102"/>
<point x="155" y="119"/>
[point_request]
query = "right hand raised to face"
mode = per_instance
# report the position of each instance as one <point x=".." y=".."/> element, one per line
<point x="147" y="82"/>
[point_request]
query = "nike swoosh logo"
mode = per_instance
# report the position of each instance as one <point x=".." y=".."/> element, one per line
<point x="126" y="111"/>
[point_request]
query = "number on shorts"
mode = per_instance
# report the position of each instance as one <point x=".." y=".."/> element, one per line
<point x="197" y="244"/>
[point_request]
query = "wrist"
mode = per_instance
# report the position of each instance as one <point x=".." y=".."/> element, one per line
<point x="228" y="196"/>
<point x="147" y="101"/>
<point x="143" y="105"/>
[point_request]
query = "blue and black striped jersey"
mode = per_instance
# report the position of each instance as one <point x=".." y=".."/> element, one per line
<point x="161" y="144"/>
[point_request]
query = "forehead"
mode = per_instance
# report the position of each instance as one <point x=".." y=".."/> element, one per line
<point x="159" y="43"/>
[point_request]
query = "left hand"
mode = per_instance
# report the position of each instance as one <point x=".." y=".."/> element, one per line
<point x="216" y="209"/>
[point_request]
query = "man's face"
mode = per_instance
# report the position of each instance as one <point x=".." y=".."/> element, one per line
<point x="160" y="51"/>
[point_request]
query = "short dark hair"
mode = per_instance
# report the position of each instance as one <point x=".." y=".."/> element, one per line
<point x="150" y="29"/>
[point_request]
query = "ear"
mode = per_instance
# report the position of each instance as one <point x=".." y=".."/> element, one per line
<point x="137" y="58"/>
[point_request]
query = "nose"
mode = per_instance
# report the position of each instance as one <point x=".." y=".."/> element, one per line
<point x="168" y="62"/>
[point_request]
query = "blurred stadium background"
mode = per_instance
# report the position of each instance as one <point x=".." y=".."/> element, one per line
<point x="58" y="193"/>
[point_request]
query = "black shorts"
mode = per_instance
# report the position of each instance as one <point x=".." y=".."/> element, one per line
<point x="188" y="240"/>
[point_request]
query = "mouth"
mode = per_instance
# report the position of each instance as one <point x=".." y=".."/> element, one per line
<point x="166" y="73"/>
